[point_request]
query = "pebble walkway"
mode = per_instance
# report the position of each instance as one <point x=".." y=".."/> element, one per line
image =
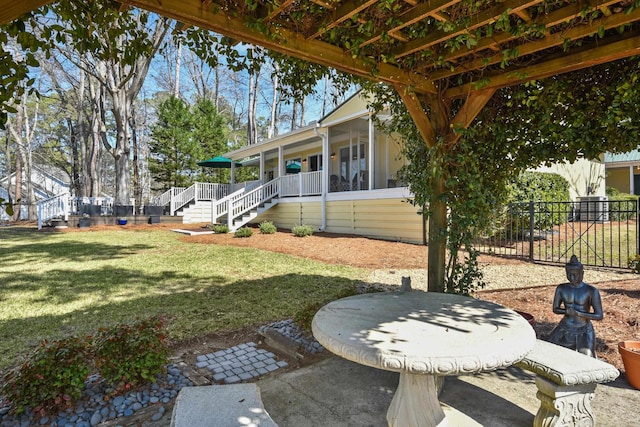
<point x="243" y="362"/>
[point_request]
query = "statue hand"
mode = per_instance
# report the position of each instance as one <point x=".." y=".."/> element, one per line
<point x="571" y="311"/>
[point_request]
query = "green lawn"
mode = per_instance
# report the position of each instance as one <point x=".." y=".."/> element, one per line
<point x="58" y="284"/>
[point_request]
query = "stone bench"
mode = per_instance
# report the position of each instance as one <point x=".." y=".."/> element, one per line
<point x="566" y="382"/>
<point x="220" y="406"/>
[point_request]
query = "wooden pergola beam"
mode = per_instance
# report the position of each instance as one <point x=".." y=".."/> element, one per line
<point x="282" y="41"/>
<point x="589" y="57"/>
<point x="479" y="20"/>
<point x="550" y="20"/>
<point x="554" y="40"/>
<point x="278" y="10"/>
<point x="15" y="9"/>
<point x="417" y="113"/>
<point x="416" y="14"/>
<point x="469" y="111"/>
<point x="343" y="13"/>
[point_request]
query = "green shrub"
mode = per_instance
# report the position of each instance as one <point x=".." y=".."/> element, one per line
<point x="302" y="230"/>
<point x="130" y="354"/>
<point x="52" y="377"/>
<point x="268" y="227"/>
<point x="622" y="206"/>
<point x="220" y="228"/>
<point x="244" y="232"/>
<point x="541" y="188"/>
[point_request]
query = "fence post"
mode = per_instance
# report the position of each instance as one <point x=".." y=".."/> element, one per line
<point x="531" y="219"/>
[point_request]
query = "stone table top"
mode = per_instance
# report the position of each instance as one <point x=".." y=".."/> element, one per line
<point x="423" y="333"/>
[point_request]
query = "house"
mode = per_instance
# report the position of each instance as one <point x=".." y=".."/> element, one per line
<point x="338" y="175"/>
<point x="46" y="183"/>
<point x="623" y="171"/>
<point x="586" y="178"/>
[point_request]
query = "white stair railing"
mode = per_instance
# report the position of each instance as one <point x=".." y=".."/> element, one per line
<point x="220" y="207"/>
<point x="243" y="203"/>
<point x="55" y="207"/>
<point x="182" y="198"/>
<point x="165" y="198"/>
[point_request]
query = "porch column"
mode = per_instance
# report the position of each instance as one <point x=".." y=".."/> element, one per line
<point x="261" y="175"/>
<point x="233" y="172"/>
<point x="281" y="170"/>
<point x="372" y="138"/>
<point x="632" y="190"/>
<point x="326" y="159"/>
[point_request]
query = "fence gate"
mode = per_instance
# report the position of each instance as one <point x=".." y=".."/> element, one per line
<point x="599" y="232"/>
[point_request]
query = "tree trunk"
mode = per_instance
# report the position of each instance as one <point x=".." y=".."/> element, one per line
<point x="176" y="89"/>
<point x="137" y="187"/>
<point x="18" y="186"/>
<point x="122" y="151"/>
<point x="437" y="239"/>
<point x="252" y="127"/>
<point x="274" y="103"/>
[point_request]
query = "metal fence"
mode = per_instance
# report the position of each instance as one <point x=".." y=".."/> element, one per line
<point x="599" y="232"/>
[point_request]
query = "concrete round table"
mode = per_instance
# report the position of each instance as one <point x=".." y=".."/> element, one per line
<point x="422" y="335"/>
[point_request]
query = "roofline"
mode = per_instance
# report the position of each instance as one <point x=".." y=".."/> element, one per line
<point x="272" y="143"/>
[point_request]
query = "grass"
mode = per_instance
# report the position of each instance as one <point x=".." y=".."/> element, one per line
<point x="59" y="284"/>
<point x="607" y="244"/>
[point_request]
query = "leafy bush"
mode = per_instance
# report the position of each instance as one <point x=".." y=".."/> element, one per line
<point x="622" y="206"/>
<point x="541" y="188"/>
<point x="268" y="227"/>
<point x="220" y="228"/>
<point x="302" y="230"/>
<point x="130" y="354"/>
<point x="52" y="377"/>
<point x="634" y="263"/>
<point x="244" y="232"/>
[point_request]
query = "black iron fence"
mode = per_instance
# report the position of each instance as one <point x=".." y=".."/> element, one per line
<point x="600" y="232"/>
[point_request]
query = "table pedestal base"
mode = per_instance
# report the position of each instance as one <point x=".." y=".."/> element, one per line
<point x="415" y="403"/>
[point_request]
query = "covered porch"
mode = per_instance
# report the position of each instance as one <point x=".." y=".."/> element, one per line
<point x="343" y="152"/>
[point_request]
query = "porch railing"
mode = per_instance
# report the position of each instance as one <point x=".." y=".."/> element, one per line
<point x="301" y="184"/>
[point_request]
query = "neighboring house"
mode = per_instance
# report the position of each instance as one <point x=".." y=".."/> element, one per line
<point x="623" y="171"/>
<point x="585" y="177"/>
<point x="339" y="175"/>
<point x="46" y="184"/>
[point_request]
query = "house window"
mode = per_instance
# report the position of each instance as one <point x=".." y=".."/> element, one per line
<point x="315" y="163"/>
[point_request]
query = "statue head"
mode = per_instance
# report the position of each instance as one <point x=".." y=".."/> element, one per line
<point x="575" y="270"/>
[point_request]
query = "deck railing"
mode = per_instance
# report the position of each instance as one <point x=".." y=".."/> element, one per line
<point x="301" y="184"/>
<point x="54" y="207"/>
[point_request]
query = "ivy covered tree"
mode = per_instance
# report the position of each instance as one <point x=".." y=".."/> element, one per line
<point x="562" y="118"/>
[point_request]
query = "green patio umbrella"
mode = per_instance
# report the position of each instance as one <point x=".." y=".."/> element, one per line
<point x="293" y="167"/>
<point x="218" y="162"/>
